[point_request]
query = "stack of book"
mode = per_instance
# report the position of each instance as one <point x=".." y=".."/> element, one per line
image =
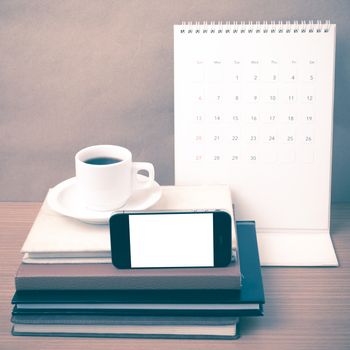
<point x="67" y="286"/>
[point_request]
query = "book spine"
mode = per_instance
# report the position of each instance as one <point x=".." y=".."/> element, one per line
<point x="126" y="283"/>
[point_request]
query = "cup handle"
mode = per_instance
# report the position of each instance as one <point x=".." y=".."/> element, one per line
<point x="144" y="182"/>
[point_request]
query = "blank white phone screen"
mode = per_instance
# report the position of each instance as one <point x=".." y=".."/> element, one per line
<point x="171" y="240"/>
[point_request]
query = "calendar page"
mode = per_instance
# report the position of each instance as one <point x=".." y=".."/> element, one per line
<point x="254" y="109"/>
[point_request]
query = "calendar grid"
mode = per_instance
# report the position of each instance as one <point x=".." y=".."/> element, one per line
<point x="254" y="109"/>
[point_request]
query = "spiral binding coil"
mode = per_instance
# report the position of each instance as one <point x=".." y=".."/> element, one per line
<point x="255" y="27"/>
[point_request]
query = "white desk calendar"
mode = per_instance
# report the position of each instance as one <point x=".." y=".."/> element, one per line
<point x="254" y="109"/>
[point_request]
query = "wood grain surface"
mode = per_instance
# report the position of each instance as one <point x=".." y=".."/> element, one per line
<point x="306" y="308"/>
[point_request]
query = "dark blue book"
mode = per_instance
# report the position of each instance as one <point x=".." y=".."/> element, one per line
<point x="107" y="326"/>
<point x="245" y="302"/>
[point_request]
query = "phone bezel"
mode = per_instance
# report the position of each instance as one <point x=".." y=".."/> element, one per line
<point x="120" y="237"/>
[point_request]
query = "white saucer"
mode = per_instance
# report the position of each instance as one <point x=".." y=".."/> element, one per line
<point x="63" y="199"/>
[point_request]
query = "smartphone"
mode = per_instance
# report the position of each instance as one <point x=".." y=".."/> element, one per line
<point x="171" y="239"/>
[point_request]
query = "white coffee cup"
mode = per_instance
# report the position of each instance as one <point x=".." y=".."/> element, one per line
<point x="109" y="186"/>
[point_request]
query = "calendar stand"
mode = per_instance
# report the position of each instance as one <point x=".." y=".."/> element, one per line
<point x="254" y="110"/>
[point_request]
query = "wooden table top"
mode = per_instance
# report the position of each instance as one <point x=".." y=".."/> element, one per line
<point x="305" y="307"/>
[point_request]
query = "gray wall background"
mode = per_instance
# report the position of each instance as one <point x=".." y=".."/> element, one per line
<point x="78" y="73"/>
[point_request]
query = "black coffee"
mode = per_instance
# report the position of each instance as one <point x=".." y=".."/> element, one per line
<point x="102" y="161"/>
